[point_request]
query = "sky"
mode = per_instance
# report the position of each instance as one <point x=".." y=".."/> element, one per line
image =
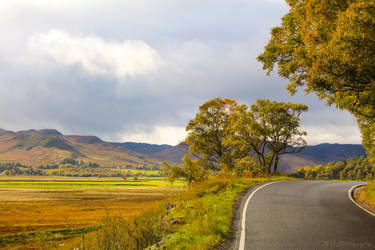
<point x="129" y="70"/>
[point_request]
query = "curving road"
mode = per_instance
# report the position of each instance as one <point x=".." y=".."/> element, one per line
<point x="307" y="215"/>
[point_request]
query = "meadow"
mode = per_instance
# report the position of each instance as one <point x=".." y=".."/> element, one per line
<point x="68" y="206"/>
<point x="73" y="184"/>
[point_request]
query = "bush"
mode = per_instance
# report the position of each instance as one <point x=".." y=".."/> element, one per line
<point x="190" y="171"/>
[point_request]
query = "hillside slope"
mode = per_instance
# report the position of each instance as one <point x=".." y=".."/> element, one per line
<point x="144" y="148"/>
<point x="309" y="156"/>
<point x="320" y="154"/>
<point x="36" y="147"/>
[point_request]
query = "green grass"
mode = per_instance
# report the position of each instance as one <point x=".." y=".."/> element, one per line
<point x="368" y="193"/>
<point x="204" y="218"/>
<point x="141" y="183"/>
<point x="136" y="171"/>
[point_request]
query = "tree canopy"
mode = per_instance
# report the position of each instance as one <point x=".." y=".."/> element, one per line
<point x="328" y="47"/>
<point x="206" y="132"/>
<point x="268" y="130"/>
<point x="225" y="136"/>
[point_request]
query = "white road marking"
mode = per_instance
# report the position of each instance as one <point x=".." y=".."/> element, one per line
<point x="243" y="222"/>
<point x="350" y="192"/>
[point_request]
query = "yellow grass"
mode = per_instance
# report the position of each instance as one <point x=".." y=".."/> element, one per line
<point x="368" y="194"/>
<point x="25" y="210"/>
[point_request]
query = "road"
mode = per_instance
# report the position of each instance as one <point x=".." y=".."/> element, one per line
<point x="307" y="215"/>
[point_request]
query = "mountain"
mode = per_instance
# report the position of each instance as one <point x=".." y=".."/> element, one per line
<point x="173" y="154"/>
<point x="309" y="156"/>
<point x="332" y="152"/>
<point x="320" y="154"/>
<point x="49" y="146"/>
<point x="42" y="132"/>
<point x="88" y="139"/>
<point x="144" y="148"/>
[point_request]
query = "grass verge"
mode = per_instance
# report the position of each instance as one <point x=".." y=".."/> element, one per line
<point x="198" y="218"/>
<point x="203" y="214"/>
<point x="368" y="194"/>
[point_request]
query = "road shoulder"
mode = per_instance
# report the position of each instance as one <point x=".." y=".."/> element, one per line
<point x="356" y="194"/>
<point x="233" y="240"/>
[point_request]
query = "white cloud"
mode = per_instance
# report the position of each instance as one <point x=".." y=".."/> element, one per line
<point x="332" y="134"/>
<point x="54" y="4"/>
<point x="96" y="56"/>
<point x="171" y="135"/>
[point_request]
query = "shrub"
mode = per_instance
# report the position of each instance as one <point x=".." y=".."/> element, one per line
<point x="132" y="234"/>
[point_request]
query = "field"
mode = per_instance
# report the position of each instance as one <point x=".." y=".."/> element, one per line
<point x="137" y="171"/>
<point x="29" y="204"/>
<point x="82" y="184"/>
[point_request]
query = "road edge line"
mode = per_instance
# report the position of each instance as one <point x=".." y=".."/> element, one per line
<point x="243" y="217"/>
<point x="350" y="194"/>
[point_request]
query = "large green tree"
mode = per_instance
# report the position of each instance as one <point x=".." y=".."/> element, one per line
<point x="328" y="47"/>
<point x="267" y="130"/>
<point x="206" y="132"/>
<point x="247" y="141"/>
<point x="227" y="136"/>
<point x="279" y="122"/>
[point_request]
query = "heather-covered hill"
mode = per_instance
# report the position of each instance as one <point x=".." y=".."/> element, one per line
<point x="36" y="147"/>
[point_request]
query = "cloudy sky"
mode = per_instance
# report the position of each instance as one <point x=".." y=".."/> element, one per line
<point x="138" y="70"/>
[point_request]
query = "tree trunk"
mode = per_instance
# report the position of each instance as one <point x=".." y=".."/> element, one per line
<point x="264" y="163"/>
<point x="277" y="158"/>
<point x="269" y="167"/>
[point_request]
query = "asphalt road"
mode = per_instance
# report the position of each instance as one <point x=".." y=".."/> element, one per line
<point x="307" y="215"/>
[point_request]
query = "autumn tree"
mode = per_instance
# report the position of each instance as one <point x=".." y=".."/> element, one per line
<point x="246" y="140"/>
<point x="367" y="127"/>
<point x="206" y="132"/>
<point x="190" y="171"/>
<point x="227" y="136"/>
<point x="349" y="169"/>
<point x="267" y="130"/>
<point x="328" y="47"/>
<point x="279" y="122"/>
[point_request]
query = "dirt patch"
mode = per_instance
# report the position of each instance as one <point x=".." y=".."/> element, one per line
<point x="357" y="194"/>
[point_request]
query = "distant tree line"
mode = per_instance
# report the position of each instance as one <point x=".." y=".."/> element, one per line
<point x="74" y="168"/>
<point x="12" y="169"/>
<point x="351" y="169"/>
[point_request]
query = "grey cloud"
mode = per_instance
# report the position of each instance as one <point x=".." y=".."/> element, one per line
<point x="209" y="49"/>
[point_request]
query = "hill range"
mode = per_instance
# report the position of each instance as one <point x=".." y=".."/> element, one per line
<point x="49" y="146"/>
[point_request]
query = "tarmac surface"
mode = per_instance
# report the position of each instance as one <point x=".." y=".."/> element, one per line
<point x="307" y="215"/>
